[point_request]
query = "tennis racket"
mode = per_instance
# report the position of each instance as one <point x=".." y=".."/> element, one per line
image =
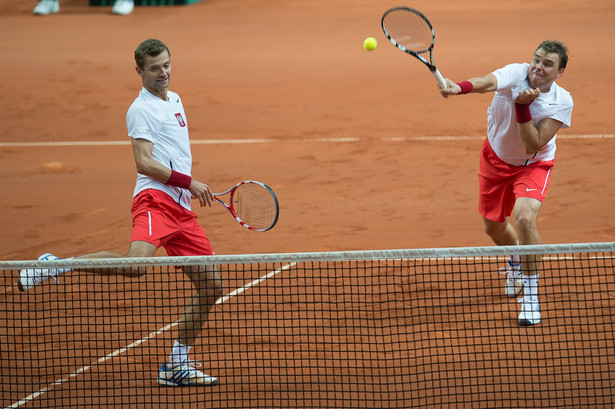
<point x="253" y="204"/>
<point x="410" y="31"/>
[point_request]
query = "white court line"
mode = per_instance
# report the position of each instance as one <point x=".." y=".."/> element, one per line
<point x="255" y="282"/>
<point x="120" y="351"/>
<point x="248" y="141"/>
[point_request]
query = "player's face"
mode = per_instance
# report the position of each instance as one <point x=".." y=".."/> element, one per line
<point x="544" y="69"/>
<point x="156" y="73"/>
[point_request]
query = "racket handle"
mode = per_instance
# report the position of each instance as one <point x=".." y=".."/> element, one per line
<point x="439" y="78"/>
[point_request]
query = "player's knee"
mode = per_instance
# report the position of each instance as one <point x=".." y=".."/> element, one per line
<point x="525" y="224"/>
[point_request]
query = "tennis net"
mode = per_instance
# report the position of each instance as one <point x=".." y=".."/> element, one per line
<point x="392" y="328"/>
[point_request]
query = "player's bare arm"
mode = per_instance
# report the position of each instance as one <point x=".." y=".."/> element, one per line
<point x="535" y="137"/>
<point x="146" y="165"/>
<point x="487" y="83"/>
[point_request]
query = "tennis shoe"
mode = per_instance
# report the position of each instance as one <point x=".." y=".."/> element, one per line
<point x="184" y="374"/>
<point x="530" y="311"/>
<point x="31" y="277"/>
<point x="123" y="7"/>
<point x="46" y="7"/>
<point x="514" y="279"/>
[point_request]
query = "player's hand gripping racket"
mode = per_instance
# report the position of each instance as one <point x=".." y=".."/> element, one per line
<point x="253" y="204"/>
<point x="410" y="31"/>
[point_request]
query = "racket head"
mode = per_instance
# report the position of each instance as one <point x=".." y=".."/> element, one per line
<point x="253" y="204"/>
<point x="409" y="30"/>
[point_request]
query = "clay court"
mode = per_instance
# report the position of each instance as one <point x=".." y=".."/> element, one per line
<point x="359" y="146"/>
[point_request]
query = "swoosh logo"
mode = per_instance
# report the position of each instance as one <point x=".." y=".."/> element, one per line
<point x="527" y="189"/>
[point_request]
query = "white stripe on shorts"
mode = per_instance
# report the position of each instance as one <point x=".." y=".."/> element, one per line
<point x="546" y="180"/>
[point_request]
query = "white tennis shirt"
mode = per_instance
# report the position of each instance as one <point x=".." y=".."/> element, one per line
<point x="501" y="118"/>
<point x="164" y="124"/>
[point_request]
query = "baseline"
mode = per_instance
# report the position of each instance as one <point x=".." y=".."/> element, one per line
<point x="251" y="141"/>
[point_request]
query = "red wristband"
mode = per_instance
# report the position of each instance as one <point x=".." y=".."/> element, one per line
<point x="179" y="180"/>
<point x="523" y="113"/>
<point x="466" y="87"/>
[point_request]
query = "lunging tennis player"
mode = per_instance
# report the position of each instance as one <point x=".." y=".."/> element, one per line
<point x="161" y="212"/>
<point x="527" y="111"/>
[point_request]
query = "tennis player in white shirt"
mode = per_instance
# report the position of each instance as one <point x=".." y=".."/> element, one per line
<point x="527" y="111"/>
<point x="161" y="212"/>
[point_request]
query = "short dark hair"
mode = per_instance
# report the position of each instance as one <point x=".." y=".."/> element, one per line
<point x="152" y="48"/>
<point x="555" y="47"/>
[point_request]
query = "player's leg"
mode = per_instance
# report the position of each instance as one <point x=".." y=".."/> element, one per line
<point x="179" y="370"/>
<point x="192" y="240"/>
<point x="496" y="202"/>
<point x="531" y="186"/>
<point x="146" y="235"/>
<point x="137" y="248"/>
<point x="31" y="277"/>
<point x="526" y="215"/>
<point x="502" y="233"/>
<point x="496" y="197"/>
<point x="208" y="288"/>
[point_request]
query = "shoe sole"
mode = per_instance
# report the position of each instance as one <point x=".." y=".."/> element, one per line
<point x="528" y="323"/>
<point x="164" y="382"/>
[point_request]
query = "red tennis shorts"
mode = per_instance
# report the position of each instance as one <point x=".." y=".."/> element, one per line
<point x="501" y="184"/>
<point x="159" y="220"/>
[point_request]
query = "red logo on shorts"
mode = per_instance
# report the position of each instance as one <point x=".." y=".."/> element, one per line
<point x="180" y="120"/>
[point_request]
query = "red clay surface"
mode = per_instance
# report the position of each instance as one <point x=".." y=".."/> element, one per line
<point x="289" y="74"/>
<point x="294" y="72"/>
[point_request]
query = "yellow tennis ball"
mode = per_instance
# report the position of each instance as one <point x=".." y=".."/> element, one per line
<point x="370" y="43"/>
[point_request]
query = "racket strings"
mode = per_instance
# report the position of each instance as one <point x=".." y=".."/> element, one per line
<point x="409" y="30"/>
<point x="255" y="205"/>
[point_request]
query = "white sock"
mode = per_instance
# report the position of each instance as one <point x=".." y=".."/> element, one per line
<point x="530" y="286"/>
<point x="179" y="353"/>
<point x="515" y="259"/>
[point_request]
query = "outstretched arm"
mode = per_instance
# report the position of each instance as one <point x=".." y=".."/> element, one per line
<point x="488" y="83"/>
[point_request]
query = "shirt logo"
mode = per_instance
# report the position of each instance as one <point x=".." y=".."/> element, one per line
<point x="180" y="119"/>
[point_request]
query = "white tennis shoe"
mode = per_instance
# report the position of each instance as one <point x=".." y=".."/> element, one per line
<point x="46" y="7"/>
<point x="123" y="7"/>
<point x="184" y="374"/>
<point x="31" y="277"/>
<point x="530" y="311"/>
<point x="514" y="279"/>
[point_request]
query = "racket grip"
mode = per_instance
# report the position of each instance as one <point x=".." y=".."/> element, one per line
<point x="439" y="79"/>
